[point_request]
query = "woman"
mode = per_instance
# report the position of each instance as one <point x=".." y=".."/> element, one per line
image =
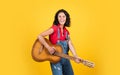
<point x="58" y="34"/>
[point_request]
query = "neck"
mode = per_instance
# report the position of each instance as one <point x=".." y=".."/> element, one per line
<point x="61" y="26"/>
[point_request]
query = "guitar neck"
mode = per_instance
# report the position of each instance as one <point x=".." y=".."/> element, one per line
<point x="87" y="63"/>
<point x="64" y="56"/>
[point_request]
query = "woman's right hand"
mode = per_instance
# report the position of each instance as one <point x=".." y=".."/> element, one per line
<point x="51" y="50"/>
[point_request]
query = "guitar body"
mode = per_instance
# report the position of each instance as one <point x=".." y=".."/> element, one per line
<point x="40" y="53"/>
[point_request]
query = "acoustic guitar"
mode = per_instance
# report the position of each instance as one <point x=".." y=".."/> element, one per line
<point x="40" y="54"/>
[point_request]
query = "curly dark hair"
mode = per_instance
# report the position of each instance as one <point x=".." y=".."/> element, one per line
<point x="67" y="23"/>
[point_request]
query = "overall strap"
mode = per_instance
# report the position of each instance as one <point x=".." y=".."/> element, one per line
<point x="67" y="36"/>
<point x="58" y="36"/>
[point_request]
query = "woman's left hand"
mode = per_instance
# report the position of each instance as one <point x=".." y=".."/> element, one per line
<point x="78" y="59"/>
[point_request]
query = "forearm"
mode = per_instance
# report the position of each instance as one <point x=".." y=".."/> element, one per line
<point x="42" y="35"/>
<point x="72" y="49"/>
<point x="42" y="40"/>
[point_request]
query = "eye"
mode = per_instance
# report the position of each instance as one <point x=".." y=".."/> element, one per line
<point x="59" y="15"/>
<point x="64" y="16"/>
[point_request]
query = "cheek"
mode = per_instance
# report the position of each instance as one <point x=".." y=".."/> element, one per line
<point x="64" y="18"/>
<point x="58" y="18"/>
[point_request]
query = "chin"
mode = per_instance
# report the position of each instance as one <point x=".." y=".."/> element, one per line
<point x="62" y="23"/>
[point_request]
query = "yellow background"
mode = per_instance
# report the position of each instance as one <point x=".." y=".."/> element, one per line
<point x="94" y="31"/>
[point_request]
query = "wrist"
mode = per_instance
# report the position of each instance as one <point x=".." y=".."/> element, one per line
<point x="48" y="47"/>
<point x="75" y="55"/>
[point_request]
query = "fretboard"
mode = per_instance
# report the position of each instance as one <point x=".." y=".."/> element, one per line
<point x="64" y="56"/>
<point x="85" y="62"/>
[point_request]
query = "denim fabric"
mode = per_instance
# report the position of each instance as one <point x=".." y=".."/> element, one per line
<point x="63" y="67"/>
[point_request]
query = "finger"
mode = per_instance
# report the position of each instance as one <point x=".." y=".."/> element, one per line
<point x="54" y="48"/>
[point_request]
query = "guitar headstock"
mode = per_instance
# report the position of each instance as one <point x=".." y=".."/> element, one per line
<point x="88" y="63"/>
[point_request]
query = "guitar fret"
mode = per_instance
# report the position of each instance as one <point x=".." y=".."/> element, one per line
<point x="64" y="56"/>
<point x="85" y="62"/>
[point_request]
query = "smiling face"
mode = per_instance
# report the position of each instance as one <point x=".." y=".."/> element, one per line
<point x="61" y="18"/>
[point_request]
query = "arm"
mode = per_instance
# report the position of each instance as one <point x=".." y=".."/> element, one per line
<point x="41" y="39"/>
<point x="72" y="49"/>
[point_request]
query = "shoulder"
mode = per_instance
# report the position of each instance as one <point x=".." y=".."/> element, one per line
<point x="66" y="30"/>
<point x="54" y="26"/>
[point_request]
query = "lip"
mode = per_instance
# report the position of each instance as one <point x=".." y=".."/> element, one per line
<point x="62" y="21"/>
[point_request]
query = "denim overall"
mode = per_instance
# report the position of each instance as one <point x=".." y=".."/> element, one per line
<point x="63" y="67"/>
